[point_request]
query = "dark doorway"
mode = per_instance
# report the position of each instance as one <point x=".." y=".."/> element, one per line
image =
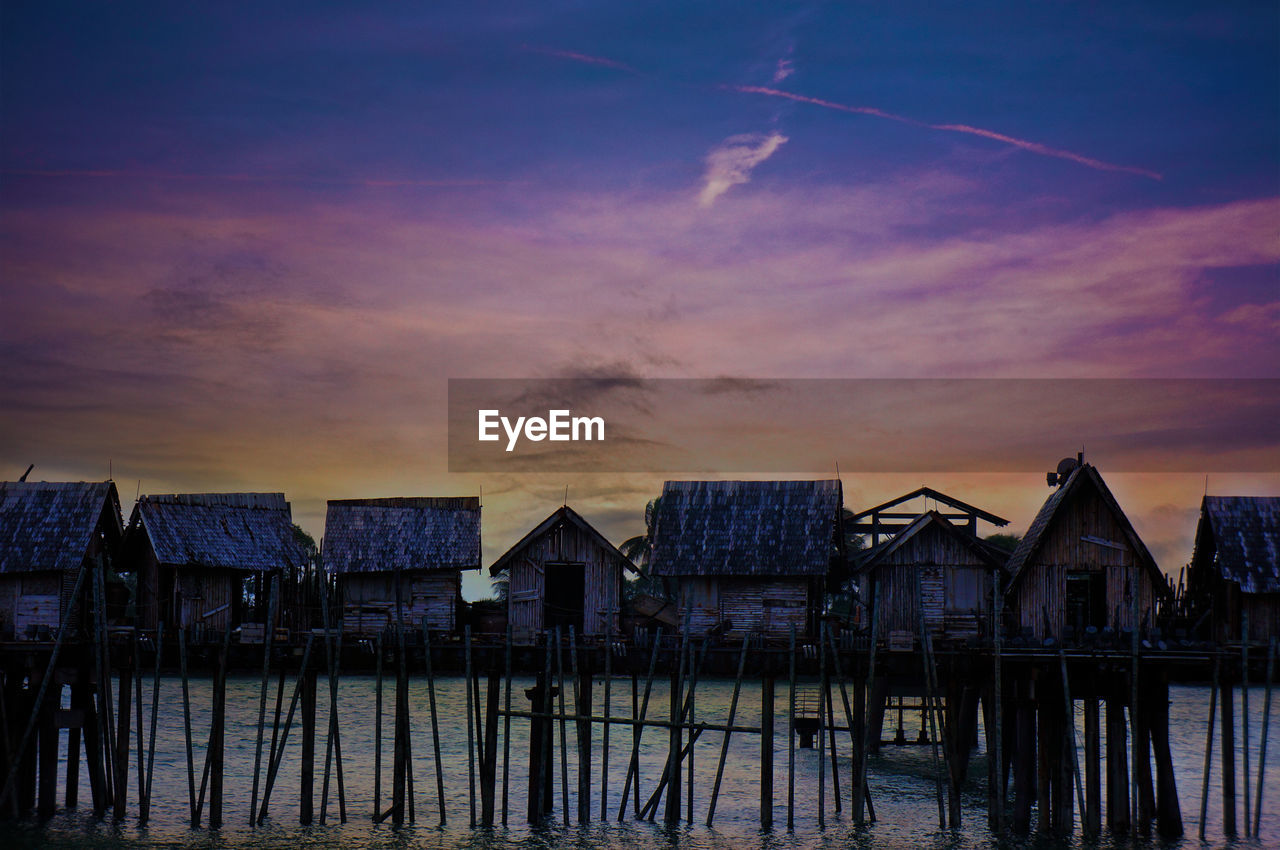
<point x="563" y="601"/>
<point x="1086" y="601"/>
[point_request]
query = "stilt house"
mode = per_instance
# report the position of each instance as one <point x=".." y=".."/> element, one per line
<point x="421" y="545"/>
<point x="933" y="569"/>
<point x="203" y="560"/>
<point x="1235" y="570"/>
<point x="1081" y="564"/>
<point x="748" y="555"/>
<point x="49" y="532"/>
<point x="563" y="573"/>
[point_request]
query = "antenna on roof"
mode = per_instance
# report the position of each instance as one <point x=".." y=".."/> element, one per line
<point x="139" y="490"/>
<point x="33" y="466"/>
<point x="1206" y="484"/>
<point x="110" y="475"/>
<point x="566" y="495"/>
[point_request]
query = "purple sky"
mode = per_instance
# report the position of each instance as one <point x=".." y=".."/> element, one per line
<point x="246" y="249"/>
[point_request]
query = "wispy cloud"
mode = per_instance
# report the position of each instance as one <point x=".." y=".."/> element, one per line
<point x="117" y="174"/>
<point x="732" y="162"/>
<point x="1023" y="144"/>
<point x="581" y="57"/>
<point x="783" y="69"/>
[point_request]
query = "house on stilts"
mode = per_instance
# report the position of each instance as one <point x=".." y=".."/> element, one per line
<point x="204" y="561"/>
<point x="1081" y="567"/>
<point x="52" y="533"/>
<point x="402" y="555"/>
<point x="563" y="573"/>
<point x="1235" y="569"/>
<point x="748" y="556"/>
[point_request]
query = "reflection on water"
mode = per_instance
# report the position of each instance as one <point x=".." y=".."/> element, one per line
<point x="901" y="781"/>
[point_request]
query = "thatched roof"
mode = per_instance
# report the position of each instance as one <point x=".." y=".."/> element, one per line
<point x="234" y="531"/>
<point x="374" y="535"/>
<point x="1082" y="477"/>
<point x="1243" y="532"/>
<point x="49" y="525"/>
<point x="561" y="516"/>
<point x="745" y="528"/>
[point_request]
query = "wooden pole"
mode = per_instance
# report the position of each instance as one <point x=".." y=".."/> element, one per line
<point x="1024" y="780"/>
<point x="675" y="734"/>
<point x="860" y="791"/>
<point x="217" y="735"/>
<point x="1092" y="817"/>
<point x="71" y="799"/>
<point x="333" y="739"/>
<point x="822" y="737"/>
<point x="791" y="733"/>
<point x="564" y="744"/>
<point x="262" y="700"/>
<point x="306" y="789"/>
<point x="930" y="704"/>
<point x="997" y="704"/>
<point x="1137" y="821"/>
<point x="1244" y="717"/>
<point x="142" y="742"/>
<point x="489" y="752"/>
<point x="766" y="751"/>
<point x="1208" y="746"/>
<point x="46" y="752"/>
<point x="1262" y="744"/>
<point x="582" y="705"/>
<point x="1228" y="757"/>
<point x="1069" y="717"/>
<point x="276" y="757"/>
<point x="733" y="712"/>
<point x="1117" y="764"/>
<point x="471" y="747"/>
<point x="186" y="722"/>
<point x="637" y="733"/>
<point x="144" y="811"/>
<point x="506" y="723"/>
<point x="435" y="720"/>
<point x="1168" y="809"/>
<point x="852" y="724"/>
<point x="377" y="729"/>
<point x="608" y="709"/>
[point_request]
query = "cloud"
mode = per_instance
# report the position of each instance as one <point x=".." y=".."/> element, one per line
<point x="585" y="58"/>
<point x="783" y="70"/>
<point x="1023" y="144"/>
<point x="732" y="162"/>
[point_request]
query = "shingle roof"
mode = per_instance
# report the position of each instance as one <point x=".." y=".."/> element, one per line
<point x="371" y="535"/>
<point x="560" y="516"/>
<point x="49" y="525"/>
<point x="761" y="528"/>
<point x="238" y="531"/>
<point x="1246" y="534"/>
<point x="1082" y="476"/>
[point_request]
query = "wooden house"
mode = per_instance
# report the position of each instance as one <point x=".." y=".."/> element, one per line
<point x="935" y="569"/>
<point x="49" y="531"/>
<point x="748" y="555"/>
<point x="1081" y="564"/>
<point x="418" y="545"/>
<point x="887" y="519"/>
<point x="563" y="573"/>
<point x="1235" y="569"/>
<point x="202" y="560"/>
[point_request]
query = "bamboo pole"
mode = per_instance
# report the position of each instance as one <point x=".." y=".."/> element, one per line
<point x="144" y="811"/>
<point x="583" y="730"/>
<point x="273" y="763"/>
<point x="1070" y="718"/>
<point x="141" y="731"/>
<point x="733" y="712"/>
<point x="854" y="802"/>
<point x="997" y="707"/>
<point x="377" y="729"/>
<point x="608" y="709"/>
<point x="564" y="744"/>
<point x="1262" y="744"/>
<point x="1138" y="819"/>
<point x="860" y="790"/>
<point x="927" y="658"/>
<point x="262" y="701"/>
<point x="637" y="733"/>
<point x="471" y="746"/>
<point x="1208" y="747"/>
<point x="822" y="736"/>
<point x="435" y="720"/>
<point x="1244" y="716"/>
<point x="791" y="733"/>
<point x="186" y="722"/>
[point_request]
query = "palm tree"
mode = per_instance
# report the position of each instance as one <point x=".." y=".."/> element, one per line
<point x="640" y="550"/>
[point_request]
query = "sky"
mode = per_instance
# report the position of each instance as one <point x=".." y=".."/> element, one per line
<point x="244" y="248"/>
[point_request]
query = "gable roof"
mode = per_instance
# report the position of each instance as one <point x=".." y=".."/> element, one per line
<point x="937" y="496"/>
<point x="1082" y="477"/>
<point x="373" y="535"/>
<point x="745" y="528"/>
<point x="1245" y="534"/>
<point x="559" y="517"/>
<point x="985" y="552"/>
<point x="237" y="531"/>
<point x="49" y="525"/>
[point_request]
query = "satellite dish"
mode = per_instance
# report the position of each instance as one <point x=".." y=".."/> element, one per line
<point x="1066" y="466"/>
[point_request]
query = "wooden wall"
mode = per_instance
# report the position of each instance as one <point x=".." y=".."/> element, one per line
<point x="369" y="600"/>
<point x="955" y="587"/>
<point x="602" y="591"/>
<point x="1042" y="585"/>
<point x="764" y="605"/>
<point x="206" y="598"/>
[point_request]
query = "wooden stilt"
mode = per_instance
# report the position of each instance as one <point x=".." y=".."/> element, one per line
<point x="72" y="792"/>
<point x="1262" y="744"/>
<point x="217" y="735"/>
<point x="564" y="743"/>
<point x="1117" y="765"/>
<point x="1244" y="718"/>
<point x="823" y="689"/>
<point x="120" y="789"/>
<point x="583" y="685"/>
<point x="46" y="751"/>
<point x="936" y="730"/>
<point x="733" y="712"/>
<point x="471" y="749"/>
<point x="637" y="732"/>
<point x="1168" y="810"/>
<point x="262" y="700"/>
<point x="791" y="732"/>
<point x="674" y="732"/>
<point x="1073" y="765"/>
<point x="608" y="708"/>
<point x="766" y="752"/>
<point x="997" y="754"/>
<point x="277" y="754"/>
<point x="1092" y="817"/>
<point x="489" y="752"/>
<point x="1208" y="747"/>
<point x="144" y="810"/>
<point x="186" y="722"/>
<point x="306" y="785"/>
<point x="435" y="720"/>
<point x="377" y="728"/>
<point x="860" y="791"/>
<point x="506" y="723"/>
<point x="1227" y="698"/>
<point x="1024" y="773"/>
